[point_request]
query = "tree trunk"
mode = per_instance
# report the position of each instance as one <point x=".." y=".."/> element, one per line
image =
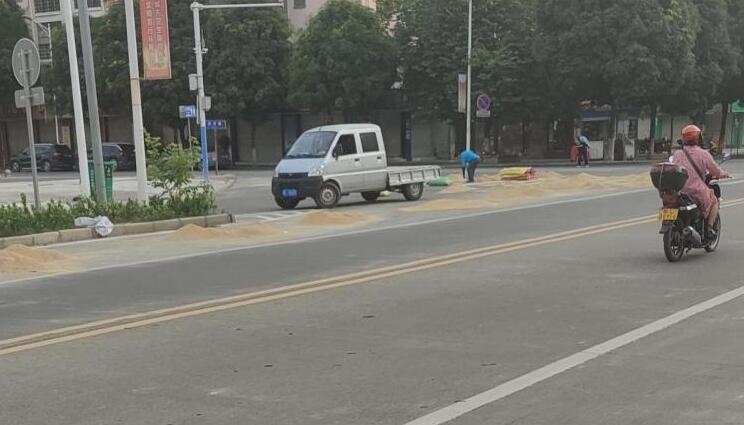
<point x="652" y="136"/>
<point x="724" y="124"/>
<point x="254" y="153"/>
<point x="4" y="145"/>
<point x="234" y="147"/>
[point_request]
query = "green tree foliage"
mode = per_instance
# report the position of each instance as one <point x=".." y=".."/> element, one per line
<point x="432" y="38"/>
<point x="160" y="98"/>
<point x="344" y="60"/>
<point x="625" y="52"/>
<point x="716" y="58"/>
<point x="248" y="62"/>
<point x="12" y="28"/>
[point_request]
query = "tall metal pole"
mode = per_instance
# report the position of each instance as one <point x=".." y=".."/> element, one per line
<point x="470" y="69"/>
<point x="138" y="126"/>
<point x="90" y="88"/>
<point x="195" y="7"/>
<point x="198" y="50"/>
<point x="77" y="103"/>
<point x="30" y="126"/>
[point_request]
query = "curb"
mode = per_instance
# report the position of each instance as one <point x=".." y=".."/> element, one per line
<point x="125" y="229"/>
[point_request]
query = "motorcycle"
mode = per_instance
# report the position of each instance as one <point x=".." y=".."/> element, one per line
<point x="682" y="224"/>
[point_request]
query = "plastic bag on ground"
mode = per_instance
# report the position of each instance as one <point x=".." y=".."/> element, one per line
<point x="102" y="225"/>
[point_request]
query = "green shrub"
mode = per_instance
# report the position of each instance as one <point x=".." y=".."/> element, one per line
<point x="169" y="169"/>
<point x="23" y="219"/>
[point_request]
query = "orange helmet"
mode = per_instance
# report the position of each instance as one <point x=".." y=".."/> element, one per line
<point x="691" y="135"/>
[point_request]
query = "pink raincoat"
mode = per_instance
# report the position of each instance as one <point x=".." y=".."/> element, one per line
<point x="695" y="186"/>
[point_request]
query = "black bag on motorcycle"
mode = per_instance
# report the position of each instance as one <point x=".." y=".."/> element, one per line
<point x="668" y="177"/>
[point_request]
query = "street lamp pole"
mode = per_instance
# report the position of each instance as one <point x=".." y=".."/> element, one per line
<point x="138" y="126"/>
<point x="77" y="103"/>
<point x="196" y="7"/>
<point x="470" y="69"/>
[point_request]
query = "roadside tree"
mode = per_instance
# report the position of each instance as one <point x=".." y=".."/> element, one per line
<point x="344" y="60"/>
<point x="247" y="65"/>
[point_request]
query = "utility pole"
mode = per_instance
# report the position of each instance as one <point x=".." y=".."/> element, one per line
<point x="201" y="103"/>
<point x="138" y="126"/>
<point x="77" y="103"/>
<point x="90" y="86"/>
<point x="470" y="69"/>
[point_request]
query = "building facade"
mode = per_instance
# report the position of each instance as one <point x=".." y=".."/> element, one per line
<point x="42" y="15"/>
<point x="299" y="12"/>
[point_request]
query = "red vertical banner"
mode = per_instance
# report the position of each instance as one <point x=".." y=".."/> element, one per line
<point x="155" y="39"/>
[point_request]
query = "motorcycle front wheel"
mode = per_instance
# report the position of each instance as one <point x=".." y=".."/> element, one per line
<point x="674" y="245"/>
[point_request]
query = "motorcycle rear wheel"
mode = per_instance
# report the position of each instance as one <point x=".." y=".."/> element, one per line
<point x="712" y="246"/>
<point x="674" y="245"/>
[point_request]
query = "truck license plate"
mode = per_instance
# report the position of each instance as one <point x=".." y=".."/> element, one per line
<point x="668" y="214"/>
<point x="289" y="193"/>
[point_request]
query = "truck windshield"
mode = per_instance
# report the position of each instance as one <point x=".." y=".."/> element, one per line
<point x="312" y="145"/>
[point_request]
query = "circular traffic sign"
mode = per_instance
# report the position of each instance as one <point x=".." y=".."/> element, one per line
<point x="483" y="102"/>
<point x="26" y="58"/>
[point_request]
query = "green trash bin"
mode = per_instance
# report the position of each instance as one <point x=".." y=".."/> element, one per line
<point x="108" y="178"/>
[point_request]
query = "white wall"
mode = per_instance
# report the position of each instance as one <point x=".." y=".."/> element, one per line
<point x="300" y="17"/>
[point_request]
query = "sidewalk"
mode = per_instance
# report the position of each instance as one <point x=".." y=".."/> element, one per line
<point x="67" y="189"/>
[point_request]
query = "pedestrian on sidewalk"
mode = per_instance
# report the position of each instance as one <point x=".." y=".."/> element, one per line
<point x="469" y="161"/>
<point x="583" y="152"/>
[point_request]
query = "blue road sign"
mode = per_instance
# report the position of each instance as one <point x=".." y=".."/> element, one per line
<point x="187" y="111"/>
<point x="216" y="125"/>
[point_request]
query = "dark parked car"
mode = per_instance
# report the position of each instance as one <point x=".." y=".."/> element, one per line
<point x="48" y="157"/>
<point x="115" y="153"/>
<point x="128" y="150"/>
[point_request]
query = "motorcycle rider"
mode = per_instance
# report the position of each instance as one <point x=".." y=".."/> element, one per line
<point x="699" y="163"/>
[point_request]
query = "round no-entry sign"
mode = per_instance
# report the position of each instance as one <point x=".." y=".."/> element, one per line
<point x="483" y="103"/>
<point x="25" y="59"/>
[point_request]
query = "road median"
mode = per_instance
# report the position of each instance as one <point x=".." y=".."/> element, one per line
<point x="124" y="229"/>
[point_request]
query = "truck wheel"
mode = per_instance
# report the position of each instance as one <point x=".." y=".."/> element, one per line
<point x="370" y="196"/>
<point x="328" y="196"/>
<point x="287" y="204"/>
<point x="413" y="192"/>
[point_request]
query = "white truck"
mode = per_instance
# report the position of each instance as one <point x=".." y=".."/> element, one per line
<point x="329" y="162"/>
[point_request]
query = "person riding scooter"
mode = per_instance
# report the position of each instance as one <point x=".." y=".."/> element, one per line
<point x="700" y="164"/>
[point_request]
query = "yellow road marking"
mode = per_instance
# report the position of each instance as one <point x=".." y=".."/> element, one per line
<point x="106" y="326"/>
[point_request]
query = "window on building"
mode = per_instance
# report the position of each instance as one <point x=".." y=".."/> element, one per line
<point x="52" y="6"/>
<point x="299" y="4"/>
<point x="44" y="41"/>
<point x="369" y="142"/>
<point x="346" y="145"/>
<point x="46" y="6"/>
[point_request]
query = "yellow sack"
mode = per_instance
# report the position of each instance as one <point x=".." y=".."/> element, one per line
<point x="517" y="173"/>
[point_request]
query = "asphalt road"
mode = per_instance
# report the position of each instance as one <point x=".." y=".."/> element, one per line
<point x="507" y="325"/>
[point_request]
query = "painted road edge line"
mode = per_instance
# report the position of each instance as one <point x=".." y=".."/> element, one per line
<point x="513" y="386"/>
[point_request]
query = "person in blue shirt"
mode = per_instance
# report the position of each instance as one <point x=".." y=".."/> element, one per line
<point x="583" y="151"/>
<point x="469" y="161"/>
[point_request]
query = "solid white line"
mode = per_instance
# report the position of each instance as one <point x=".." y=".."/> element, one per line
<point x="506" y="389"/>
